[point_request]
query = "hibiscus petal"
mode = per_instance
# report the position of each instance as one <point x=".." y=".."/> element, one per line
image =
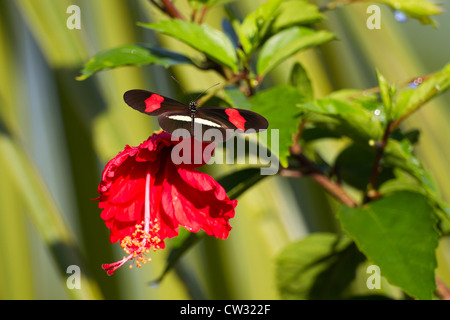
<point x="178" y="195"/>
<point x="193" y="202"/>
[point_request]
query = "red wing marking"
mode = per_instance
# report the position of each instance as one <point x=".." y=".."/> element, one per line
<point x="235" y="118"/>
<point x="153" y="103"/>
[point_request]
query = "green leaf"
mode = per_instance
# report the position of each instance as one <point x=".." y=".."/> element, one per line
<point x="417" y="9"/>
<point x="362" y="100"/>
<point x="320" y="266"/>
<point x="288" y="42"/>
<point x="240" y="181"/>
<point x="300" y="79"/>
<point x="296" y="13"/>
<point x="278" y="106"/>
<point x="399" y="154"/>
<point x="386" y="92"/>
<point x="256" y="25"/>
<point x="405" y="182"/>
<point x="407" y="102"/>
<point x="398" y="233"/>
<point x="355" y="165"/>
<point x="350" y="118"/>
<point x="134" y="55"/>
<point x="401" y="182"/>
<point x="236" y="98"/>
<point x="213" y="43"/>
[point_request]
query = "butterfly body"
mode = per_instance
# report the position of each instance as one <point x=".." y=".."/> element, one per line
<point x="174" y="115"/>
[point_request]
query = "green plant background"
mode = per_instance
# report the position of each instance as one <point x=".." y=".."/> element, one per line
<point x="56" y="134"/>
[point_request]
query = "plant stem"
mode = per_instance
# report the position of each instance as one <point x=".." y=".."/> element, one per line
<point x="193" y="15"/>
<point x="156" y="4"/>
<point x="442" y="290"/>
<point x="336" y="4"/>
<point x="171" y="10"/>
<point x="202" y="15"/>
<point x="311" y="170"/>
<point x="371" y="193"/>
<point x="416" y="106"/>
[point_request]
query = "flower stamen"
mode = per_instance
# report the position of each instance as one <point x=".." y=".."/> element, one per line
<point x="139" y="243"/>
<point x="136" y="246"/>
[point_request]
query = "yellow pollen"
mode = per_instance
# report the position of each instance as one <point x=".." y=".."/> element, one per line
<point x="139" y="243"/>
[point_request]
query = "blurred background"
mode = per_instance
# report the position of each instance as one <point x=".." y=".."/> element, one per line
<point x="57" y="133"/>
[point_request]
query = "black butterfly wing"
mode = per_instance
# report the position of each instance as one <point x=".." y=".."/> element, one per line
<point x="174" y="115"/>
<point x="170" y="121"/>
<point x="152" y="103"/>
<point x="232" y="118"/>
<point x="203" y="128"/>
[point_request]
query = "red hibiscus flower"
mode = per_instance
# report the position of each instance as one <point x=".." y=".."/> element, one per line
<point x="145" y="197"/>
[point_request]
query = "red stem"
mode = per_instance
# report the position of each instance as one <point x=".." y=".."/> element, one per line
<point x="172" y="10"/>
<point x="202" y="15"/>
<point x="376" y="167"/>
<point x="308" y="168"/>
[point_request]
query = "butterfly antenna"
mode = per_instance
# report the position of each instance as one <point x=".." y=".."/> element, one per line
<point x="207" y="90"/>
<point x="185" y="91"/>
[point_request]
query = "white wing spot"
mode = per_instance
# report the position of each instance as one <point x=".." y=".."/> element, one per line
<point x="196" y="120"/>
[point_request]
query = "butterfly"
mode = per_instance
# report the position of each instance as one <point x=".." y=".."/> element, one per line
<point x="173" y="115"/>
